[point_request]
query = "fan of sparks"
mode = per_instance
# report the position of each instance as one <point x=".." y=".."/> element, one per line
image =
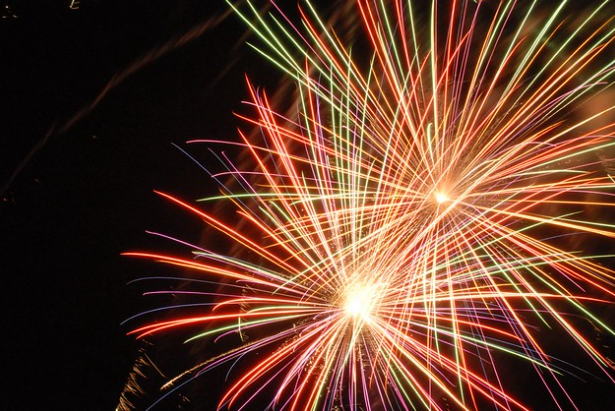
<point x="429" y="207"/>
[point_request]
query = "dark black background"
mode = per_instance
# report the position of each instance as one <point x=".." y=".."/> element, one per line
<point x="72" y="205"/>
<point x="70" y="208"/>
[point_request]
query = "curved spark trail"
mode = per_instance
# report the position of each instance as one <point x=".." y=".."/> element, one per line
<point x="408" y="229"/>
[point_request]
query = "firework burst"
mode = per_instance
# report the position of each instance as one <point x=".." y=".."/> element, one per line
<point x="415" y="221"/>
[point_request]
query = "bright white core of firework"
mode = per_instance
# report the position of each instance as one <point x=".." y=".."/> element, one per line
<point x="360" y="301"/>
<point x="441" y="197"/>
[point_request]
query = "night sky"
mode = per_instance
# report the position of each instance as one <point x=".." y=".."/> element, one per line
<point x="77" y="176"/>
<point x="73" y="202"/>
